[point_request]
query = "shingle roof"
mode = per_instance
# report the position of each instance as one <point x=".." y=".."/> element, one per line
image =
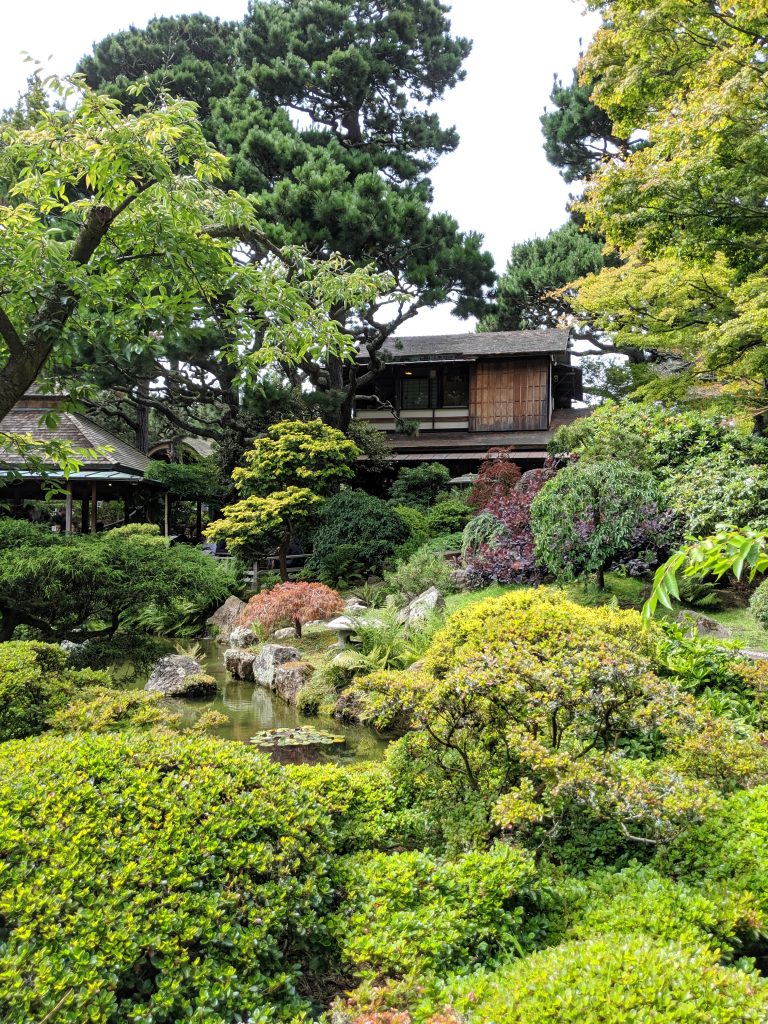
<point x="471" y="346"/>
<point x="80" y="431"/>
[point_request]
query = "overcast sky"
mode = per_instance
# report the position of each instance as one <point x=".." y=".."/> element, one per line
<point x="497" y="182"/>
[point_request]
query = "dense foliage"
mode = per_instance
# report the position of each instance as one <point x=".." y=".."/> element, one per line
<point x="191" y="862"/>
<point x="564" y="985"/>
<point x="654" y="436"/>
<point x="73" y="585"/>
<point x="498" y="544"/>
<point x="588" y="516"/>
<point x="497" y="476"/>
<point x="364" y="529"/>
<point x="85" y="184"/>
<point x="688" y="80"/>
<point x="285" y="477"/>
<point x="350" y="171"/>
<point x="420" y="485"/>
<point x="35" y="682"/>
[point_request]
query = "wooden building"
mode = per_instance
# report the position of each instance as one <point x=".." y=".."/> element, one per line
<point x="449" y="398"/>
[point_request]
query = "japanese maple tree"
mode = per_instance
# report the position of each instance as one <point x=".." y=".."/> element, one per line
<point x="293" y="603"/>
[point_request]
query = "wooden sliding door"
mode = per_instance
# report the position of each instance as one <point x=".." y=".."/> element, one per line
<point x="510" y="394"/>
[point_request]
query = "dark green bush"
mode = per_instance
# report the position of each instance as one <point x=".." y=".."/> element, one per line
<point x="450" y="516"/>
<point x="63" y="584"/>
<point x="359" y="522"/>
<point x="157" y="879"/>
<point x="420" y="486"/>
<point x="35" y="681"/>
<point x="616" y="980"/>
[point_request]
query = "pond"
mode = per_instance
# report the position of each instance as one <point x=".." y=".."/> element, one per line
<point x="251" y="708"/>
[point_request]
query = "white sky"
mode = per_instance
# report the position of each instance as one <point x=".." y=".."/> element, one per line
<point x="498" y="182"/>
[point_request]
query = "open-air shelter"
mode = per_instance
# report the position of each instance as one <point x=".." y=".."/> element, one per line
<point x="113" y="472"/>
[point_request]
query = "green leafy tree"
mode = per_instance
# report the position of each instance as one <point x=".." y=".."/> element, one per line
<point x="656" y="437"/>
<point x="114" y="230"/>
<point x="76" y="586"/>
<point x="420" y="485"/>
<point x="691" y="78"/>
<point x="350" y="173"/>
<point x="587" y="515"/>
<point x="286" y="475"/>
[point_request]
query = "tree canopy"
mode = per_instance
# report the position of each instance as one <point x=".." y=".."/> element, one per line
<point x="324" y="112"/>
<point x="690" y="79"/>
<point x="114" y="229"/>
<point x="286" y="475"/>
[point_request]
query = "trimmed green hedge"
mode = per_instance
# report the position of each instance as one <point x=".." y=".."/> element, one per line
<point x="157" y="879"/>
<point x="616" y="980"/>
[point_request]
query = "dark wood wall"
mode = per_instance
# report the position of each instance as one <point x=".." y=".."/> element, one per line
<point x="510" y="394"/>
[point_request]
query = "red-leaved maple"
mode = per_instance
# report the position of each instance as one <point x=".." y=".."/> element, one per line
<point x="291" y="603"/>
<point x="496" y="478"/>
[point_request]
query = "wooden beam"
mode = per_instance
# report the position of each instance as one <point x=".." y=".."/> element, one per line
<point x="68" y="510"/>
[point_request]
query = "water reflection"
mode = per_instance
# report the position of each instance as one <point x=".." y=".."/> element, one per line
<point x="251" y="708"/>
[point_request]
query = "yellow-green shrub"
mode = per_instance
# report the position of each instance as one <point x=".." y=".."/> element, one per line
<point x="35" y="682"/>
<point x="157" y="878"/>
<point x="541" y="623"/>
<point x="412" y="914"/>
<point x="616" y="980"/>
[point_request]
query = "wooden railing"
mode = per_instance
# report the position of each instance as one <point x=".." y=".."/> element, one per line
<point x="428" y="419"/>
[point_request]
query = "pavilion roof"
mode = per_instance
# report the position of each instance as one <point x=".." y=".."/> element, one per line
<point x="75" y="428"/>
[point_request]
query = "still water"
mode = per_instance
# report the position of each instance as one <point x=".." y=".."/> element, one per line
<point x="250" y="708"/>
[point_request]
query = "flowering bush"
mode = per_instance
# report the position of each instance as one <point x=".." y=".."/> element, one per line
<point x="294" y="604"/>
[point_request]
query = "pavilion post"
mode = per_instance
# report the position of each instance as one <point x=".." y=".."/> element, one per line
<point x="94" y="508"/>
<point x="167" y="529"/>
<point x="68" y="510"/>
<point x="199" y="520"/>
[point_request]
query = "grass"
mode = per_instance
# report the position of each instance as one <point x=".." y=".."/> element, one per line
<point x="745" y="628"/>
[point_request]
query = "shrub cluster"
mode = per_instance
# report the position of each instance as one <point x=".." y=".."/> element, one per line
<point x="367" y="529"/>
<point x="35" y="682"/>
<point x="186" y="879"/>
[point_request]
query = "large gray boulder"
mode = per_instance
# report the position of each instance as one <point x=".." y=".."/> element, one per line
<point x="238" y="661"/>
<point x="225" y="618"/>
<point x="290" y="679"/>
<point x="268" y="659"/>
<point x="178" y="675"/>
<point x="422" y="607"/>
<point x="243" y="636"/>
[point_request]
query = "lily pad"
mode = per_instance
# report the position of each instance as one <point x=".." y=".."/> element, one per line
<point x="302" y="736"/>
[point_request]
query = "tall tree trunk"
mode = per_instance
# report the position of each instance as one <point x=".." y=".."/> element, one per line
<point x="600" y="578"/>
<point x="142" y="416"/>
<point x="282" y="555"/>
